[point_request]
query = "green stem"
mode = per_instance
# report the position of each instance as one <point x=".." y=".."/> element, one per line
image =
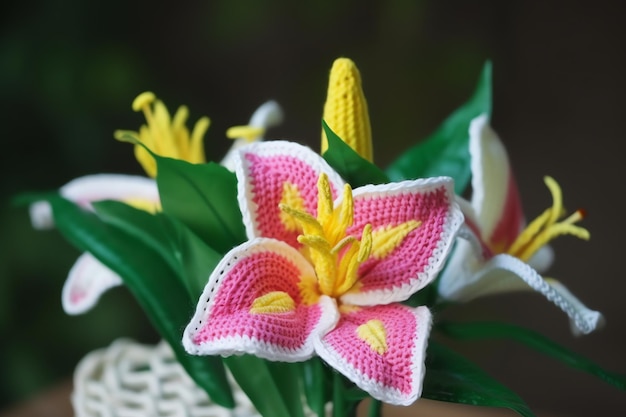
<point x="339" y="405"/>
<point x="375" y="408"/>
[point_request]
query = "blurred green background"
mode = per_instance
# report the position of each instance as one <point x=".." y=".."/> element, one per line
<point x="70" y="69"/>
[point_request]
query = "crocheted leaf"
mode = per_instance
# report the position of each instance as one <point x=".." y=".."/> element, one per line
<point x="185" y="252"/>
<point x="534" y="340"/>
<point x="446" y="150"/>
<point x="354" y="169"/>
<point x="151" y="280"/>
<point x="204" y="198"/>
<point x="452" y="378"/>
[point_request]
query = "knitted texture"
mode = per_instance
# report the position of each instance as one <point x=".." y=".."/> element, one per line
<point x="323" y="271"/>
<point x="501" y="254"/>
<point x="132" y="380"/>
<point x="249" y="272"/>
<point x="407" y="329"/>
<point x="345" y="110"/>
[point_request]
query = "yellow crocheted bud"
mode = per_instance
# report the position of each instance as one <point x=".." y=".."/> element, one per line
<point x="345" y="110"/>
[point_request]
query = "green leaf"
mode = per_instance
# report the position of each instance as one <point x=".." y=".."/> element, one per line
<point x="452" y="378"/>
<point x="287" y="379"/>
<point x="355" y="170"/>
<point x="534" y="340"/>
<point x="446" y="150"/>
<point x="184" y="251"/>
<point x="255" y="379"/>
<point x="316" y="379"/>
<point x="204" y="198"/>
<point x="153" y="283"/>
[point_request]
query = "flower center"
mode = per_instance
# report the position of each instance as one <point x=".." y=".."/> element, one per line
<point x="546" y="226"/>
<point x="164" y="135"/>
<point x="335" y="256"/>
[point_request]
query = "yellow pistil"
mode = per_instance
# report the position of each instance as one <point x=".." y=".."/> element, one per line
<point x="165" y="136"/>
<point x="345" y="110"/>
<point x="546" y="226"/>
<point x="334" y="255"/>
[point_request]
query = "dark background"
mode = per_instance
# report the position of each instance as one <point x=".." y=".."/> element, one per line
<point x="70" y="69"/>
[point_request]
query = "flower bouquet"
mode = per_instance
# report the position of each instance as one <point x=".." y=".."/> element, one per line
<point x="288" y="282"/>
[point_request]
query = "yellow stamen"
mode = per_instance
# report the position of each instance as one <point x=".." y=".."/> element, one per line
<point x="324" y="199"/>
<point x="165" y="136"/>
<point x="334" y="255"/>
<point x="352" y="258"/>
<point x="249" y="133"/>
<point x="143" y="100"/>
<point x="546" y="226"/>
<point x="292" y="198"/>
<point x="345" y="110"/>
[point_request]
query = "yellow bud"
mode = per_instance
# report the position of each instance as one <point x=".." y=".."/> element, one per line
<point x="345" y="110"/>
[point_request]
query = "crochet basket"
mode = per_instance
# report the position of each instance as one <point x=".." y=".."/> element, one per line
<point x="128" y="379"/>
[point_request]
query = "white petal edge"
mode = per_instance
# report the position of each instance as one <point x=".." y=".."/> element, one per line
<point x="87" y="280"/>
<point x="490" y="174"/>
<point x="90" y="188"/>
<point x="454" y="221"/>
<point x="268" y="114"/>
<point x="235" y="345"/>
<point x="498" y="275"/>
<point x="269" y="149"/>
<point x="390" y="396"/>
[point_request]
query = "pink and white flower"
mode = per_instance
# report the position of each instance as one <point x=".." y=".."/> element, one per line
<point x="502" y="253"/>
<point x="325" y="269"/>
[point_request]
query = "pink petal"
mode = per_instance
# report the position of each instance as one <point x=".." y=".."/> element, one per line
<point x="87" y="281"/>
<point x="495" y="196"/>
<point x="394" y="376"/>
<point x="415" y="262"/>
<point x="262" y="170"/>
<point x="223" y="323"/>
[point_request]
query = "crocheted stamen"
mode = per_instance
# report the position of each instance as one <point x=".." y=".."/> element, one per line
<point x="164" y="135"/>
<point x="334" y="255"/>
<point x="546" y="227"/>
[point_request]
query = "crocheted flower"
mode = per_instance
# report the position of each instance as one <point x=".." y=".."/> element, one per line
<point x="505" y="254"/>
<point x="88" y="278"/>
<point x="325" y="269"/>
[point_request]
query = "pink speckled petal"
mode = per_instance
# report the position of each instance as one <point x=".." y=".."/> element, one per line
<point x="87" y="281"/>
<point x="415" y="262"/>
<point x="223" y="323"/>
<point x="495" y="197"/>
<point x="262" y="169"/>
<point x="394" y="376"/>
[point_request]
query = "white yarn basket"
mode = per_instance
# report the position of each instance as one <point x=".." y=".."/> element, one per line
<point x="128" y="379"/>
